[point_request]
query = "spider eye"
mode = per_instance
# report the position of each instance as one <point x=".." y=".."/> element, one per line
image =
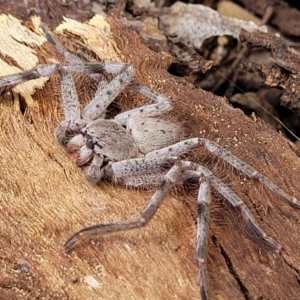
<point x="90" y="143"/>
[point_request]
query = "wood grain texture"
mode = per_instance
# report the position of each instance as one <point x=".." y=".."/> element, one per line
<point x="44" y="198"/>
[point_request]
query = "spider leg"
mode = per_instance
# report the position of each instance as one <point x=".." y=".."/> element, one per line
<point x="70" y="58"/>
<point x="203" y="203"/>
<point x="156" y="200"/>
<point x="105" y="95"/>
<point x="72" y="122"/>
<point x="187" y="145"/>
<point x="177" y="149"/>
<point x="249" y="171"/>
<point x="74" y="119"/>
<point x="46" y="70"/>
<point x="161" y="105"/>
<point x="155" y="161"/>
<point x="75" y="64"/>
<point x="136" y="167"/>
<point x="69" y="95"/>
<point x="179" y="172"/>
<point x="35" y="73"/>
<point x="234" y="200"/>
<point x="79" y="61"/>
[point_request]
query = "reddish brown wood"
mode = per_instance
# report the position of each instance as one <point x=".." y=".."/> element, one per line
<point x="44" y="198"/>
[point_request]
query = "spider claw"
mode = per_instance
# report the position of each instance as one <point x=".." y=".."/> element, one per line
<point x="272" y="244"/>
<point x="71" y="242"/>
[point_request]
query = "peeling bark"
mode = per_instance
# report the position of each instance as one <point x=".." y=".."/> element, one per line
<point x="283" y="73"/>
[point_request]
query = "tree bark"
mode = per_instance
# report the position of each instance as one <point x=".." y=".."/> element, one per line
<point x="44" y="197"/>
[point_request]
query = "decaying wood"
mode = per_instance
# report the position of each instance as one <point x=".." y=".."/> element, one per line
<point x="44" y="197"/>
<point x="284" y="71"/>
<point x="282" y="15"/>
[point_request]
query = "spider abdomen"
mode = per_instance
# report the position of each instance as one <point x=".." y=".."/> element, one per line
<point x="152" y="133"/>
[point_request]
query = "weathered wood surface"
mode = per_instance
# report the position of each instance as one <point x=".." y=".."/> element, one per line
<point x="44" y="198"/>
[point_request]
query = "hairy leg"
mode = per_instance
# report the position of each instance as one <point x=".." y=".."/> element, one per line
<point x="233" y="199"/>
<point x="203" y="203"/>
<point x="181" y="171"/>
<point x="170" y="178"/>
<point x="134" y="167"/>
<point x="107" y="94"/>
<point x="249" y="171"/>
<point x="161" y="105"/>
<point x="142" y="166"/>
<point x="186" y="146"/>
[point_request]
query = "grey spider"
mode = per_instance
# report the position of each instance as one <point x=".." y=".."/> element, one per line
<point x="137" y="148"/>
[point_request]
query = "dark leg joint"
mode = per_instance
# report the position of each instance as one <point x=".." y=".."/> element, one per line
<point x="141" y="222"/>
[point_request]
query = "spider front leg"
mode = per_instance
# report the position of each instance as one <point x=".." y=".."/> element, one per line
<point x="35" y="73"/>
<point x="80" y="63"/>
<point x="70" y="101"/>
<point x="105" y="95"/>
<point x="75" y="122"/>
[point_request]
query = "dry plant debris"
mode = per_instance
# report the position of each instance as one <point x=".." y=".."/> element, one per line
<point x="182" y="20"/>
<point x="44" y="196"/>
<point x="284" y="16"/>
<point x="284" y="70"/>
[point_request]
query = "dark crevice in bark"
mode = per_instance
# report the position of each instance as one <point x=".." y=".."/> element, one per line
<point x="231" y="270"/>
<point x="295" y="270"/>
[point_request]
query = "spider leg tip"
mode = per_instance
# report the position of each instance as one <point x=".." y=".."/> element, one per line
<point x="279" y="249"/>
<point x="70" y="244"/>
<point x="276" y="247"/>
<point x="295" y="203"/>
<point x="66" y="248"/>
